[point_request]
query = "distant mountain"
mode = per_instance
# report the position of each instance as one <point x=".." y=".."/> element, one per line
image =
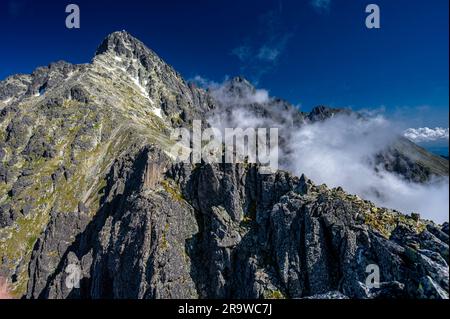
<point x="88" y="182"/>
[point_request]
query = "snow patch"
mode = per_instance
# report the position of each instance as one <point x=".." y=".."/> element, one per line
<point x="135" y="79"/>
<point x="141" y="88"/>
<point x="158" y="112"/>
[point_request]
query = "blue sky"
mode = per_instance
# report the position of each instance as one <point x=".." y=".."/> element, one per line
<point x="309" y="52"/>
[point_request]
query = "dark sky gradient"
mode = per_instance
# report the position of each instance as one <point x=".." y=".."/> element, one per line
<point x="324" y="56"/>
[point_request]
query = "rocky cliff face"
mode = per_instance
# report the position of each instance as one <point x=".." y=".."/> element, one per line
<point x="87" y="180"/>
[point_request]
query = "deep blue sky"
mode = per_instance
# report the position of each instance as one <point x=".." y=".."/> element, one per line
<point x="305" y="54"/>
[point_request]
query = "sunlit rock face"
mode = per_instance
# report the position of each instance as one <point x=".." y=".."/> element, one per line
<point x="88" y="182"/>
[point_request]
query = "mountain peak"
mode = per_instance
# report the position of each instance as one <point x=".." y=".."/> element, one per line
<point x="322" y="112"/>
<point x="122" y="43"/>
<point x="239" y="86"/>
<point x="240" y="81"/>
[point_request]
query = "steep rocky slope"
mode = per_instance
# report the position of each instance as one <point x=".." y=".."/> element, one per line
<point x="87" y="179"/>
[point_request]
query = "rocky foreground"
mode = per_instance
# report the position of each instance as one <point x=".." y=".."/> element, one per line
<point x="87" y="179"/>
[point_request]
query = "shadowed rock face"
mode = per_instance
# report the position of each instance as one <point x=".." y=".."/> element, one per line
<point x="89" y="186"/>
<point x="229" y="232"/>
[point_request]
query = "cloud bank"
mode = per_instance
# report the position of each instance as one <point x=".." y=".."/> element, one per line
<point x="425" y="134"/>
<point x="233" y="94"/>
<point x="321" y="5"/>
<point x="339" y="151"/>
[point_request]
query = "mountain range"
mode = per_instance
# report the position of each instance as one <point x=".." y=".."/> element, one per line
<point x="87" y="178"/>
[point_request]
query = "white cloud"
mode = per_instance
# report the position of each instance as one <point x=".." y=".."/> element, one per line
<point x="268" y="54"/>
<point x="321" y="5"/>
<point x="241" y="93"/>
<point x="243" y="52"/>
<point x="425" y="134"/>
<point x="260" y="52"/>
<point x="203" y="82"/>
<point x="247" y="96"/>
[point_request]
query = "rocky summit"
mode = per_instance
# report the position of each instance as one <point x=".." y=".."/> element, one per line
<point x="88" y="182"/>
